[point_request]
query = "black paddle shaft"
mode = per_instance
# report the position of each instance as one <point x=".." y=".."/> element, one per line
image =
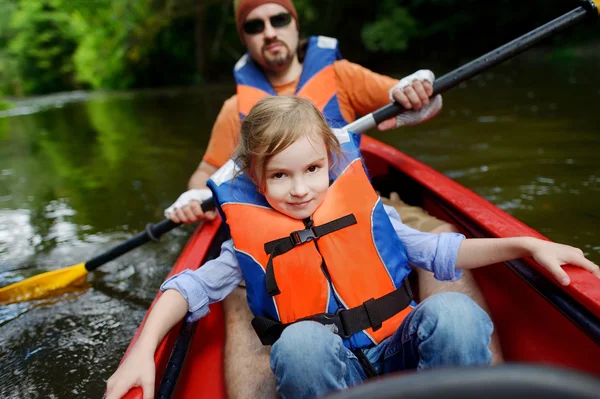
<point x="497" y="56"/>
<point x="152" y="233"/>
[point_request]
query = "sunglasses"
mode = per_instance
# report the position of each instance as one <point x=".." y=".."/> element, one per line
<point x="256" y="26"/>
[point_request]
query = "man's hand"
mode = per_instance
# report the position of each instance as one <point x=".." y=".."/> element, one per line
<point x="413" y="92"/>
<point x="187" y="208"/>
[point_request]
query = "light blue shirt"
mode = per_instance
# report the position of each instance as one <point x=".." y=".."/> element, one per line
<point x="218" y="277"/>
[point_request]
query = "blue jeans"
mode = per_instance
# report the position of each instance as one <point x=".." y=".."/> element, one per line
<point x="447" y="329"/>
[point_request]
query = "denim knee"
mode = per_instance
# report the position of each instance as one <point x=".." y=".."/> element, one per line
<point x="453" y="330"/>
<point x="308" y="360"/>
<point x="302" y="344"/>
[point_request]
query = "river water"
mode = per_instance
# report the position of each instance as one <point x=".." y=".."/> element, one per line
<point x="81" y="172"/>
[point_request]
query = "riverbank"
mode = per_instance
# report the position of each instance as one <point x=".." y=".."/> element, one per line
<point x="4" y="105"/>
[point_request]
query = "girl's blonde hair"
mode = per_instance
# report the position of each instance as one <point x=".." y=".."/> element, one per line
<point x="274" y="124"/>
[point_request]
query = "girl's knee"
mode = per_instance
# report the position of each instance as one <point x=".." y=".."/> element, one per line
<point x="458" y="314"/>
<point x="453" y="330"/>
<point x="304" y="354"/>
<point x="451" y="304"/>
<point x="307" y="332"/>
<point x="301" y="341"/>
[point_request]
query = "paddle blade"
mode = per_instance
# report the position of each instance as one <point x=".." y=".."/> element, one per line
<point x="42" y="284"/>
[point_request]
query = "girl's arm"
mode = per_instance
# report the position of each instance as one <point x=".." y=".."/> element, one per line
<point x="169" y="310"/>
<point x="431" y="252"/>
<point x="138" y="368"/>
<point x="445" y="255"/>
<point x="189" y="291"/>
<point x="478" y="252"/>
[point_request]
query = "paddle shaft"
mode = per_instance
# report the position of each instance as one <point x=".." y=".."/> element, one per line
<point x="152" y="233"/>
<point x="481" y="64"/>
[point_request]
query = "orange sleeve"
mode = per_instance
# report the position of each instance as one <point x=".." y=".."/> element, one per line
<point x="361" y="91"/>
<point x="225" y="134"/>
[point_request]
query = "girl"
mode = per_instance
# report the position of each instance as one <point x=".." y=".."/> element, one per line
<point x="326" y="265"/>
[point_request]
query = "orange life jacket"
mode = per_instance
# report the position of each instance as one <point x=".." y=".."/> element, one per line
<point x="317" y="80"/>
<point x="347" y="257"/>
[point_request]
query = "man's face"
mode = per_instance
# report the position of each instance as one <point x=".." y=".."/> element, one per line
<point x="273" y="48"/>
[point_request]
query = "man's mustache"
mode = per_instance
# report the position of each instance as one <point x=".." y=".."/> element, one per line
<point x="268" y="43"/>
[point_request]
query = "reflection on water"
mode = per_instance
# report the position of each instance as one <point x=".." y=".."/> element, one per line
<point x="15" y="224"/>
<point x="84" y="172"/>
<point x="75" y="180"/>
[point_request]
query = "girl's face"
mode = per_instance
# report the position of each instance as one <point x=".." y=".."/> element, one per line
<point x="297" y="179"/>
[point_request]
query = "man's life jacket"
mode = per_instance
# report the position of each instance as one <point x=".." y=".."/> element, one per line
<point x="317" y="81"/>
<point x="345" y="266"/>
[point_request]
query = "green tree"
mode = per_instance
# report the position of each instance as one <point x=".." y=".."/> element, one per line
<point x="116" y="37"/>
<point x="9" y="71"/>
<point x="42" y="46"/>
<point x="391" y="31"/>
<point x="54" y="45"/>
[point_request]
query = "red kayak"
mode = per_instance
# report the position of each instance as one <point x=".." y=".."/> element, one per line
<point x="537" y="320"/>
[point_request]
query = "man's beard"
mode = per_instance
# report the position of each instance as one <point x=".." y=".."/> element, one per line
<point x="281" y="59"/>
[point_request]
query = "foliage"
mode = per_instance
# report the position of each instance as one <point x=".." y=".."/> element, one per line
<point x="154" y="42"/>
<point x="115" y="43"/>
<point x="56" y="45"/>
<point x="4" y="105"/>
<point x="9" y="71"/>
<point x="42" y="46"/>
<point x="391" y="31"/>
<point x="10" y="78"/>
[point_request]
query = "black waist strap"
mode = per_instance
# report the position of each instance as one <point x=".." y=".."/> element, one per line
<point x="282" y="245"/>
<point x="346" y="322"/>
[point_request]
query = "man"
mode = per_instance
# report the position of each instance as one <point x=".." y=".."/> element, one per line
<point x="342" y="90"/>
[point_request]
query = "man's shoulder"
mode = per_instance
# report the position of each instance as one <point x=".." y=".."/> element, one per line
<point x="231" y="102"/>
<point x="230" y="106"/>
<point x="350" y="72"/>
<point x="345" y="65"/>
<point x="345" y="69"/>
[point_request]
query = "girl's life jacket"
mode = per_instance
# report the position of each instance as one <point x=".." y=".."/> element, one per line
<point x="345" y="266"/>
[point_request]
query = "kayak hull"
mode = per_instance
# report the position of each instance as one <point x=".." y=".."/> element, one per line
<point x="537" y="321"/>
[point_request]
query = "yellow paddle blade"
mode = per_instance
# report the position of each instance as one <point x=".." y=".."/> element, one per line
<point x="42" y="284"/>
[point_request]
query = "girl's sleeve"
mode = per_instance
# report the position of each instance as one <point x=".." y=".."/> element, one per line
<point x="432" y="252"/>
<point x="208" y="284"/>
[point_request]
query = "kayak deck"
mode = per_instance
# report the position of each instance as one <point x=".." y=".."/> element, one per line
<point x="537" y="321"/>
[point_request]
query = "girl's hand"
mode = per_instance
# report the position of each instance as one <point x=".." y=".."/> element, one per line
<point x="137" y="370"/>
<point x="552" y="256"/>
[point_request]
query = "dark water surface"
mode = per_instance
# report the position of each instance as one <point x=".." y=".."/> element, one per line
<point x="80" y="173"/>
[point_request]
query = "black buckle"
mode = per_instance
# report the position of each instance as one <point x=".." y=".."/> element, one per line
<point x="373" y="314"/>
<point x="335" y="319"/>
<point x="301" y="236"/>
